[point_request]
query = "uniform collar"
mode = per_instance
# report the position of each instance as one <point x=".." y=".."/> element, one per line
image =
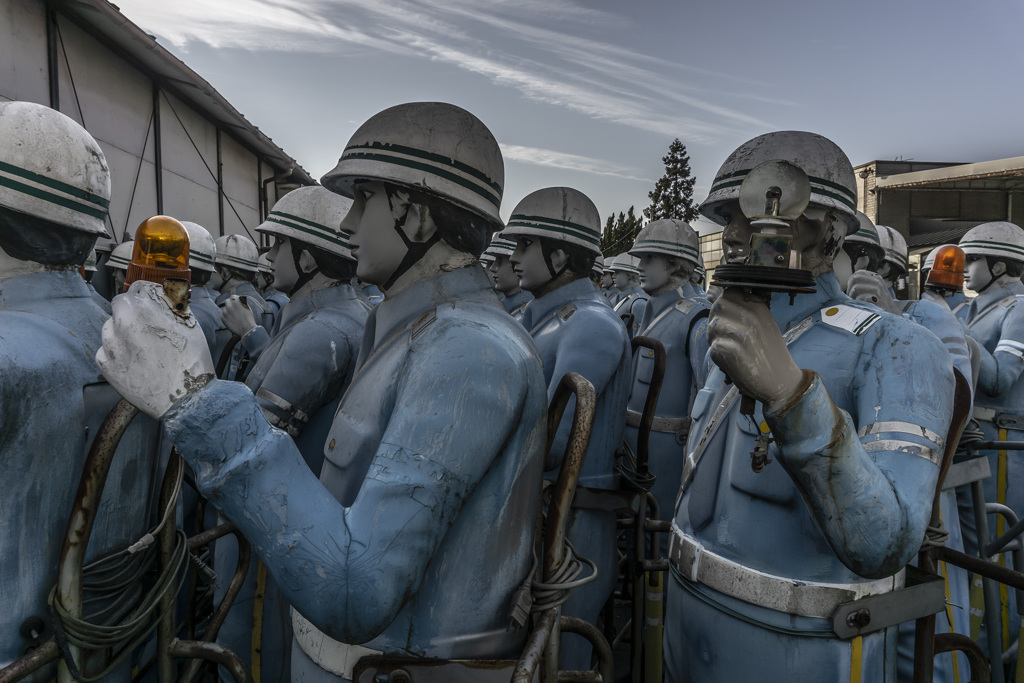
<point x="200" y="293"/>
<point x="32" y="292"/>
<point x="994" y="294"/>
<point x="469" y="284"/>
<point x="539" y="308"/>
<point x="327" y="297"/>
<point x="827" y="291"/>
<point x="657" y="304"/>
<point x="244" y="289"/>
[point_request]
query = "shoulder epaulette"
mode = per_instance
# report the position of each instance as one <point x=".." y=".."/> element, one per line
<point x="566" y="311"/>
<point x="854" y="320"/>
<point x="685" y="305"/>
<point x="1009" y="302"/>
<point x="423" y="322"/>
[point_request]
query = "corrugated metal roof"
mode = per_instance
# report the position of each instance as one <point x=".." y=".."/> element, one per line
<point x="106" y="23"/>
<point x="1011" y="169"/>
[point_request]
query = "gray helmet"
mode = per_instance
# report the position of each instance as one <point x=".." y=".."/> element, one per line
<point x="669" y="237"/>
<point x="626" y="263"/>
<point x="312" y="215"/>
<point x="999" y="239"/>
<point x="432" y="147"/>
<point x="90" y="262"/>
<point x="121" y="256"/>
<point x="201" y="248"/>
<point x="827" y="167"/>
<point x="51" y="168"/>
<point x="599" y="265"/>
<point x="895" y="246"/>
<point x="236" y="251"/>
<point x="500" y="246"/>
<point x="558" y="213"/>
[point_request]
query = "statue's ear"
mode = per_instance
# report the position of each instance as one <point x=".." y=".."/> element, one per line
<point x="306" y="262"/>
<point x="998" y="269"/>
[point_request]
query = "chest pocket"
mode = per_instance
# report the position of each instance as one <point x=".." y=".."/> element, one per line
<point x="772" y="483"/>
<point x="645" y="365"/>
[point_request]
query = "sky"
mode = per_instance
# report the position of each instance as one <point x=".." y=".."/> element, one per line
<point x="590" y="93"/>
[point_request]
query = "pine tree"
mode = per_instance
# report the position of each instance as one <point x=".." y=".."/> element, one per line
<point x="620" y="232"/>
<point x="672" y="196"/>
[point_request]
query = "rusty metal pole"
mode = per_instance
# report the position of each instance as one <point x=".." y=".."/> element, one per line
<point x="165" y="540"/>
<point x="83" y="515"/>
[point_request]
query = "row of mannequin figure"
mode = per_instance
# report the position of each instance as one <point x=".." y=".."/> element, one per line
<point x="387" y="461"/>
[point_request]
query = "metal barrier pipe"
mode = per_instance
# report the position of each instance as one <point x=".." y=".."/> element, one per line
<point x="948" y="642"/>
<point x="84" y="511"/>
<point x="533" y="651"/>
<point x="605" y="662"/>
<point x="989" y="589"/>
<point x="30" y="663"/>
<point x="165" y="539"/>
<point x="212" y="652"/>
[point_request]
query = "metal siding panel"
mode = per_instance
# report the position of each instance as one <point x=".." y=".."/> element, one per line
<point x="934" y="205"/>
<point x="241" y="186"/>
<point x="179" y="155"/>
<point x="23" y="52"/>
<point x="190" y="201"/>
<point x="983" y="206"/>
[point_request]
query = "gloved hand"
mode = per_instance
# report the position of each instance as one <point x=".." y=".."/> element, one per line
<point x="872" y="288"/>
<point x="237" y="316"/>
<point x="151" y="356"/>
<point x="747" y="345"/>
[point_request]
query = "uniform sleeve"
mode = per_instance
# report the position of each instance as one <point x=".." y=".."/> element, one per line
<point x="255" y="342"/>
<point x="351" y="570"/>
<point x="594" y="346"/>
<point x="1001" y="367"/>
<point x="311" y="369"/>
<point x="699" y="352"/>
<point x="869" y="484"/>
<point x="938" y="320"/>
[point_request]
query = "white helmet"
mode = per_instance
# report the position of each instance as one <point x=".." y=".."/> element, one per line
<point x="312" y="215"/>
<point x="90" y="262"/>
<point x="999" y="239"/>
<point x="895" y="246"/>
<point x="699" y="271"/>
<point x="51" y="168"/>
<point x="121" y="257"/>
<point x="599" y="265"/>
<point x="558" y="213"/>
<point x="433" y="147"/>
<point x="500" y="246"/>
<point x="670" y="237"/>
<point x="236" y="251"/>
<point x="827" y="167"/>
<point x="201" y="248"/>
<point x="626" y="263"/>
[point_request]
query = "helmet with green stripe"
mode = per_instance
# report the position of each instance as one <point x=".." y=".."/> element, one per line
<point x="626" y="263"/>
<point x="90" y="262"/>
<point x="895" y="247"/>
<point x="51" y="168"/>
<point x="311" y="215"/>
<point x="121" y="256"/>
<point x="827" y="167"/>
<point x="599" y="266"/>
<point x="201" y="249"/>
<point x="669" y="237"/>
<point x="236" y="251"/>
<point x="431" y="147"/>
<point x="557" y="213"/>
<point x="999" y="239"/>
<point x="501" y="245"/>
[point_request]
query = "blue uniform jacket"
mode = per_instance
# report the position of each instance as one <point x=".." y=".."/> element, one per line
<point x="420" y="527"/>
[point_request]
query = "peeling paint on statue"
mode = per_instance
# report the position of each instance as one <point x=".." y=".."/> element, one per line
<point x="404" y="583"/>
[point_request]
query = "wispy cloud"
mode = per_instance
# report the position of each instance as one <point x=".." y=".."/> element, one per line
<point x="510" y="42"/>
<point x="570" y="162"/>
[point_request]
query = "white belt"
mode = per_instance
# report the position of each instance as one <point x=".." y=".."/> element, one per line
<point x="791" y="596"/>
<point x="667" y="425"/>
<point x="338" y="658"/>
<point x="984" y="414"/>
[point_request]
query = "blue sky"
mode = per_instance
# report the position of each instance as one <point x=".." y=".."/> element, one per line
<point x="589" y="94"/>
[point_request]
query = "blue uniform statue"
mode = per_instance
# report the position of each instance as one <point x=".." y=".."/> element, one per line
<point x="611" y="291"/>
<point x="118" y="263"/>
<point x="420" y="527"/>
<point x="275" y="298"/>
<point x="236" y="265"/>
<point x="557" y="233"/>
<point x="995" y="319"/>
<point x="201" y="254"/>
<point x="631" y="298"/>
<point x="597" y="275"/>
<point x="54" y="193"/>
<point x="88" y="271"/>
<point x="667" y="250"/>
<point x="506" y="281"/>
<point x="695" y="287"/>
<point x="879" y="257"/>
<point x="852" y="405"/>
<point x="298" y="377"/>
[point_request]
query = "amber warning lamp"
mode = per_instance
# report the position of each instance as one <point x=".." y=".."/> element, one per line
<point x="160" y="255"/>
<point x="948" y="269"/>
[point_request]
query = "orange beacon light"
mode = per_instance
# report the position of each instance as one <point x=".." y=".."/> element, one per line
<point x="948" y="269"/>
<point x="160" y="255"/>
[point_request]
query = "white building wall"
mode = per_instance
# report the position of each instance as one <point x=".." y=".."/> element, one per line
<point x="23" y="52"/>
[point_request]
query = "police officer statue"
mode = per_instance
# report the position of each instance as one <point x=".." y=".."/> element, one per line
<point x="419" y="529"/>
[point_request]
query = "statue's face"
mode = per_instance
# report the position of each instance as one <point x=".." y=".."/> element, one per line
<point x="375" y="242"/>
<point x="621" y="279"/>
<point x="607" y="281"/>
<point x="119" y="276"/>
<point x="656" y="271"/>
<point x="977" y="275"/>
<point x="529" y="264"/>
<point x="504" y="275"/>
<point x="281" y="256"/>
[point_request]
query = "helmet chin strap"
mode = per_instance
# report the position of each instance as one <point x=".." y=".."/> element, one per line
<point x="414" y="251"/>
